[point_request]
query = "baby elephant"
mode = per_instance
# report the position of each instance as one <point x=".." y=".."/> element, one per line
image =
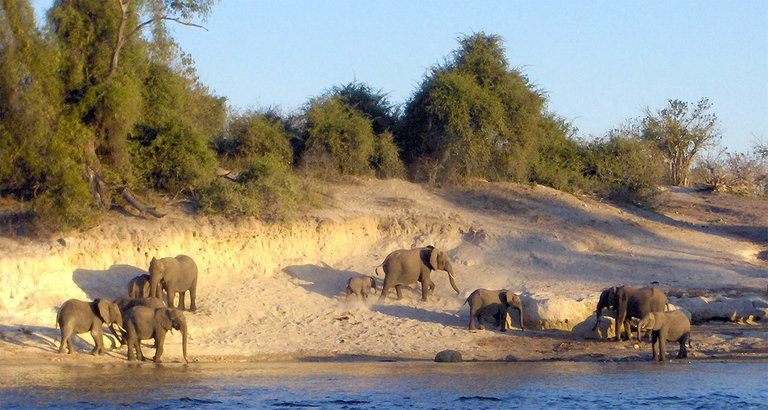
<point x="361" y="286"/>
<point x="77" y="316"/>
<point x="496" y="303"/>
<point x="672" y="326"/>
<point x="138" y="287"/>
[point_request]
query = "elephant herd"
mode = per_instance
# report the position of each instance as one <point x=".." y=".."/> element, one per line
<point x="141" y="315"/>
<point x="648" y="305"/>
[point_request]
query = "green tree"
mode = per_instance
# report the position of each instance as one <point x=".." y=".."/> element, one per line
<point x="41" y="157"/>
<point x="254" y="134"/>
<point x="680" y="131"/>
<point x="475" y="117"/>
<point x="339" y="133"/>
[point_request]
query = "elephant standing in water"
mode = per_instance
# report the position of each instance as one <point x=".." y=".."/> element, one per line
<point x="496" y="303"/>
<point x="406" y="266"/>
<point x="77" y="316"/>
<point x="177" y="275"/>
<point x="630" y="302"/>
<point x="143" y="323"/>
<point x="673" y="326"/>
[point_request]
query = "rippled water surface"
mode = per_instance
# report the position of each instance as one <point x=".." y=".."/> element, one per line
<point x="366" y="385"/>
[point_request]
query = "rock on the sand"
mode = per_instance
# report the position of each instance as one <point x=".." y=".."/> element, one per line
<point x="448" y="356"/>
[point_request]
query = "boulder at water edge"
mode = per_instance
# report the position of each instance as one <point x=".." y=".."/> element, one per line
<point x="448" y="356"/>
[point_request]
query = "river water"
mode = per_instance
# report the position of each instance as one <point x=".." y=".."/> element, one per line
<point x="382" y="385"/>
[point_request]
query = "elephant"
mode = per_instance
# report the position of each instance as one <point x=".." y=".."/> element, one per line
<point x="138" y="287"/>
<point x="176" y="275"/>
<point x="125" y="303"/>
<point x="630" y="302"/>
<point x="78" y="316"/>
<point x="141" y="323"/>
<point x="361" y="286"/>
<point x="667" y="326"/>
<point x="496" y="303"/>
<point x="406" y="266"/>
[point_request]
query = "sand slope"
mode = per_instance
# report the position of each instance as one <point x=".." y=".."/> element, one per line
<point x="277" y="291"/>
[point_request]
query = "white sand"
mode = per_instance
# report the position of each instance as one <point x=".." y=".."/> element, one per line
<point x="277" y="291"/>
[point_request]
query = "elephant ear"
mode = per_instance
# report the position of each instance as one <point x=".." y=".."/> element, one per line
<point x="103" y="307"/>
<point x="433" y="258"/>
<point x="163" y="317"/>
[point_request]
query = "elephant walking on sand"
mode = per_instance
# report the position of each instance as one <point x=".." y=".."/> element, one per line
<point x="496" y="303"/>
<point x="177" y="275"/>
<point x="667" y="326"/>
<point x="629" y="302"/>
<point x="361" y="286"/>
<point x="406" y="266"/>
<point x="143" y="323"/>
<point x="77" y="316"/>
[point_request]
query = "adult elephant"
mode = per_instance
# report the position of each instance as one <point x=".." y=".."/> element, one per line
<point x="667" y="326"/>
<point x="177" y="275"/>
<point x="496" y="303"/>
<point x="124" y="304"/>
<point x="143" y="323"/>
<point x="630" y="302"/>
<point x="78" y="316"/>
<point x="406" y="266"/>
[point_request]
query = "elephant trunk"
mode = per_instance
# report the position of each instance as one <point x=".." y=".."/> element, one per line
<point x="449" y="269"/>
<point x="184" y="337"/>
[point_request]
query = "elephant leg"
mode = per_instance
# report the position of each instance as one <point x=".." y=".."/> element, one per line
<point x="654" y="343"/>
<point x="399" y="292"/>
<point x="159" y="341"/>
<point x="65" y="335"/>
<point x="424" y="289"/>
<point x="98" y="341"/>
<point x="171" y="297"/>
<point x="662" y="346"/>
<point x="181" y="299"/>
<point x="472" y="318"/>
<point x="131" y="346"/>
<point x="193" y="296"/>
<point x="364" y="295"/>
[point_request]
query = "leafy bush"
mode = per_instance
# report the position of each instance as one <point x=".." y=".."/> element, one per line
<point x="386" y="159"/>
<point x="342" y="132"/>
<point x="174" y="157"/>
<point x="254" y="134"/>
<point x="624" y="167"/>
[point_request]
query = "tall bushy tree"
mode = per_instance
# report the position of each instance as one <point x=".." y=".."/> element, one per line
<point x="474" y="116"/>
<point x="338" y="133"/>
<point x="680" y="131"/>
<point x="41" y="158"/>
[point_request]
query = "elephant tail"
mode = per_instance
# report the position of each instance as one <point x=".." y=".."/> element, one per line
<point x="377" y="270"/>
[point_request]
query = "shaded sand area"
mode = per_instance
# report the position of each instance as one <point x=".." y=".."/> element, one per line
<point x="276" y="292"/>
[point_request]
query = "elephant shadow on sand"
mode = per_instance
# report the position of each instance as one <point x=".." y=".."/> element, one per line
<point x="323" y="279"/>
<point x="416" y="313"/>
<point x="47" y="338"/>
<point x="109" y="284"/>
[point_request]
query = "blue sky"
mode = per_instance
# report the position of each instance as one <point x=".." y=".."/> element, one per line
<point x="599" y="62"/>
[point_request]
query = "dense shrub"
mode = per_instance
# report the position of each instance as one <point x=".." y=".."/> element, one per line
<point x="624" y="168"/>
<point x="342" y="132"/>
<point x="251" y="135"/>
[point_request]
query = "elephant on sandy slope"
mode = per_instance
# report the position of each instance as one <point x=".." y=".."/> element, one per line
<point x="667" y="326"/>
<point x="77" y="316"/>
<point x="141" y="323"/>
<point x="496" y="303"/>
<point x="177" y="275"/>
<point x="630" y="302"/>
<point x="406" y="266"/>
<point x="138" y="287"/>
<point x="361" y="286"/>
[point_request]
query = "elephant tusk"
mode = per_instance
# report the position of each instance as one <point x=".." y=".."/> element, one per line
<point x="451" y="275"/>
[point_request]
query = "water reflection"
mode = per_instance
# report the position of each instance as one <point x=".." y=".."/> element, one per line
<point x="383" y="385"/>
